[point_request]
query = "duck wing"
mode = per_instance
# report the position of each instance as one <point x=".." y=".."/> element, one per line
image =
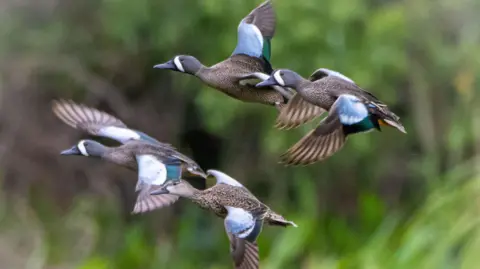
<point x="263" y="17"/>
<point x="244" y="253"/>
<point x="255" y="32"/>
<point x="324" y="72"/>
<point x="98" y="123"/>
<point x="243" y="228"/>
<point x="152" y="174"/>
<point x="318" y="144"/>
<point x="297" y="112"/>
<point x="146" y="202"/>
<point x="330" y="136"/>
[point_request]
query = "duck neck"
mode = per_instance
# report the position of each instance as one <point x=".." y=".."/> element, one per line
<point x="196" y="195"/>
<point x="189" y="192"/>
<point x="301" y="84"/>
<point x="201" y="72"/>
<point x="98" y="150"/>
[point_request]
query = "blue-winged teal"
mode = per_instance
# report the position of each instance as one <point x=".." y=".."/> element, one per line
<point x="155" y="162"/>
<point x="244" y="214"/>
<point x="351" y="110"/>
<point x="237" y="75"/>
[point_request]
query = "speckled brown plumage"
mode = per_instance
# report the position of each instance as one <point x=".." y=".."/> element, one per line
<point x="226" y="199"/>
<point x="329" y="137"/>
<point x="220" y="195"/>
<point x="226" y="75"/>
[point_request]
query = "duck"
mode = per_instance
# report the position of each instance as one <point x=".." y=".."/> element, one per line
<point x="351" y="110"/>
<point x="155" y="162"/>
<point x="243" y="214"/>
<point x="249" y="63"/>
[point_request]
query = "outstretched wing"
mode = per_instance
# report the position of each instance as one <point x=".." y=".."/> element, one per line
<point x="96" y="122"/>
<point x="318" y="144"/>
<point x="153" y="173"/>
<point x="324" y="72"/>
<point x="330" y="136"/>
<point x="223" y="178"/>
<point x="263" y="17"/>
<point x="243" y="229"/>
<point x="244" y="253"/>
<point x="297" y="112"/>
<point x="146" y="203"/>
<point x="255" y="32"/>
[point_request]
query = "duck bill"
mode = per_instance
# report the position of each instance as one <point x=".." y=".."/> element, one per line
<point x="160" y="191"/>
<point x="71" y="151"/>
<point x="168" y="65"/>
<point x="196" y="172"/>
<point x="268" y="82"/>
<point x="396" y="125"/>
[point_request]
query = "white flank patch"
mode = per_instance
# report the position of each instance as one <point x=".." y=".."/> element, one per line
<point x="82" y="148"/>
<point x="224" y="178"/>
<point x="122" y="135"/>
<point x="279" y="78"/>
<point x="178" y="64"/>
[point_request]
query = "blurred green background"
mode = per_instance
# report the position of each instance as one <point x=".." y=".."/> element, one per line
<point x="386" y="200"/>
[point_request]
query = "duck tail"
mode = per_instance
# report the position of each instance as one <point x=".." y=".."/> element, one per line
<point x="386" y="117"/>
<point x="275" y="219"/>
<point x="390" y="119"/>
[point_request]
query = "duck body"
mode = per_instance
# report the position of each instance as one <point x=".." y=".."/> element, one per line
<point x="350" y="109"/>
<point x="242" y="212"/>
<point x="126" y="156"/>
<point x="249" y="63"/>
<point x="155" y="162"/>
<point x="218" y="196"/>
<point x="226" y="77"/>
<point x="325" y="92"/>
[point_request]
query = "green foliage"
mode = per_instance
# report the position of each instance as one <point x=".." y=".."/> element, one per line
<point x="387" y="200"/>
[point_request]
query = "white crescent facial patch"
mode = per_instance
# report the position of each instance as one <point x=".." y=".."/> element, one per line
<point x="178" y="64"/>
<point x="279" y="78"/>
<point x="82" y="148"/>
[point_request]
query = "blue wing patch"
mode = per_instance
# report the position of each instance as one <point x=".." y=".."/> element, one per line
<point x="145" y="137"/>
<point x="174" y="169"/>
<point x="350" y="109"/>
<point x="239" y="222"/>
<point x="249" y="40"/>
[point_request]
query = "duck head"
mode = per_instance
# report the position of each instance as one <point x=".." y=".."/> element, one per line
<point x="281" y="77"/>
<point x="86" y="148"/>
<point x="176" y="187"/>
<point x="182" y="63"/>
